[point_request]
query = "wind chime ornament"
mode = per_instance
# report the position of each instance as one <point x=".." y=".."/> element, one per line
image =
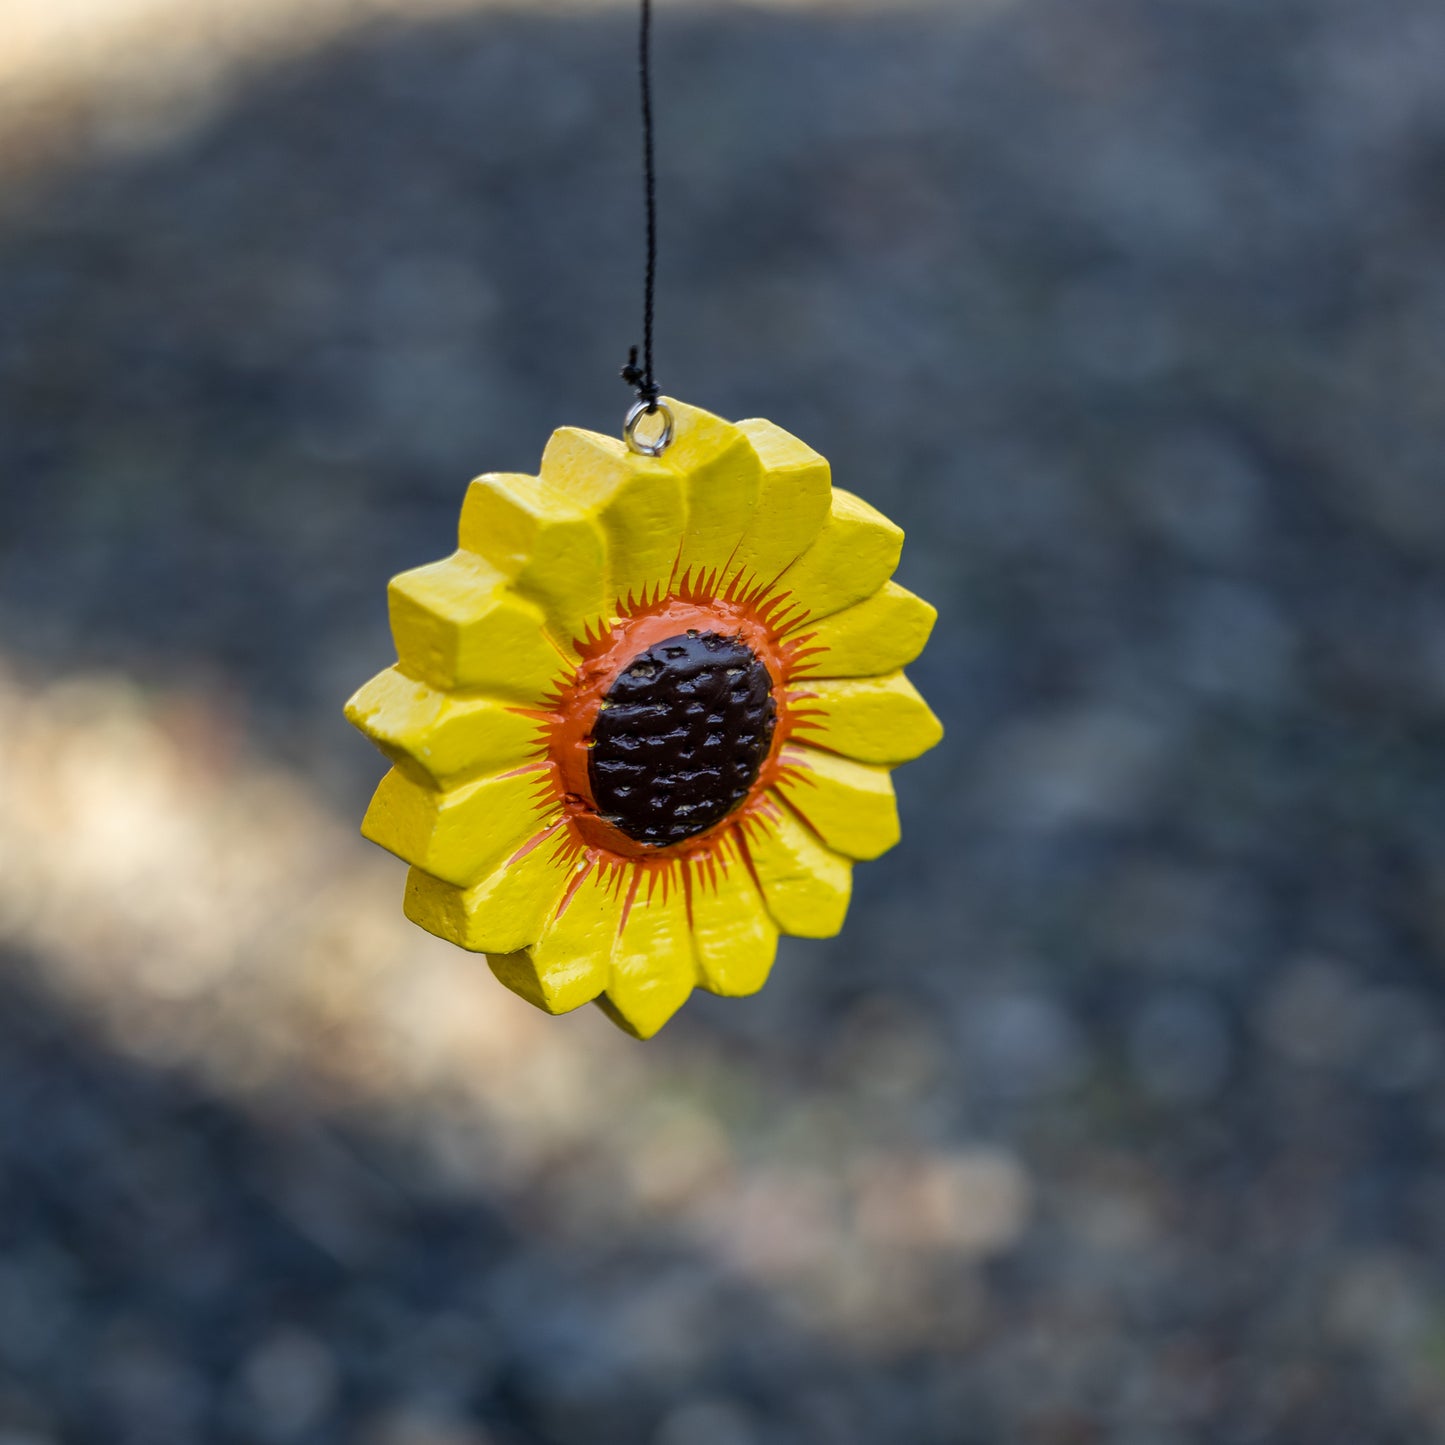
<point x="642" y="720"/>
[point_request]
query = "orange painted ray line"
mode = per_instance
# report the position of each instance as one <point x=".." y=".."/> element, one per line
<point x="747" y="857"/>
<point x="777" y="610"/>
<point x="535" y="841"/>
<point x="727" y="566"/>
<point x="740" y="588"/>
<point x="538" y="766"/>
<point x="791" y="564"/>
<point x="558" y="648"/>
<point x="818" y="747"/>
<point x="573" y="886"/>
<point x="765" y="810"/>
<point x="549" y="788"/>
<point x="637" y="872"/>
<point x="686" y="873"/>
<point x="802" y="817"/>
<point x="542" y="714"/>
<point x="763" y="601"/>
<point x="677" y="560"/>
<point x="799" y="773"/>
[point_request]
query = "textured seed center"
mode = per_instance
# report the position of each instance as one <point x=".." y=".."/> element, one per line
<point x="681" y="736"/>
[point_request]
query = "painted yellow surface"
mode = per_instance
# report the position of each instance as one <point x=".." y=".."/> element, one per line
<point x="872" y="719"/>
<point x="457" y="624"/>
<point x="722" y="478"/>
<point x="442" y="738"/>
<point x="793" y="504"/>
<point x="652" y="973"/>
<point x="487" y="644"/>
<point x="734" y="937"/>
<point x="637" y="502"/>
<point x="849" y="805"/>
<point x="457" y="835"/>
<point x="853" y="556"/>
<point x="552" y="551"/>
<point x="882" y="633"/>
<point x="505" y="912"/>
<point x="806" y="885"/>
<point x="569" y="965"/>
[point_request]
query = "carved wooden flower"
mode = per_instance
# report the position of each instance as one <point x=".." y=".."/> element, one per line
<point x="643" y="719"/>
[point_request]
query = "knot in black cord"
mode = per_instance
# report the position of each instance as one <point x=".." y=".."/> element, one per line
<point x="641" y="381"/>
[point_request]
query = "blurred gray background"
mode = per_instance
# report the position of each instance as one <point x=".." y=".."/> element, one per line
<point x="1118" y="1112"/>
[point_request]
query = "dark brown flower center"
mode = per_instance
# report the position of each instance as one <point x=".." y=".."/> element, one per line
<point x="681" y="736"/>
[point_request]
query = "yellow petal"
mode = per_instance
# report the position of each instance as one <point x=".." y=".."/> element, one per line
<point x="734" y="939"/>
<point x="849" y="805"/>
<point x="806" y="886"/>
<point x="460" y="835"/>
<point x="873" y="719"/>
<point x="567" y="967"/>
<point x="553" y="551"/>
<point x="441" y="738"/>
<point x="506" y="911"/>
<point x="636" y="500"/>
<point x="792" y="504"/>
<point x="880" y="634"/>
<point x="457" y="624"/>
<point x="652" y="964"/>
<point x="855" y="554"/>
<point x="721" y="480"/>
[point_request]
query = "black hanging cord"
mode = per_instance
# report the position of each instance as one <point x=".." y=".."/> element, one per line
<point x="640" y="378"/>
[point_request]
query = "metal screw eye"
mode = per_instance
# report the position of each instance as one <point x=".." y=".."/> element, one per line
<point x="640" y="444"/>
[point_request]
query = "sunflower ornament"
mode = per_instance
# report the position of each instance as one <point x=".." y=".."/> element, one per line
<point x="642" y="720"/>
